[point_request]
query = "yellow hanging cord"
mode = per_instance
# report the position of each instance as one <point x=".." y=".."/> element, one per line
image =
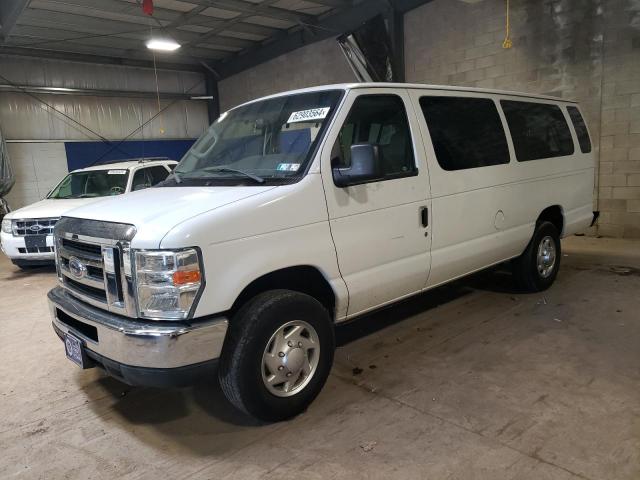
<point x="507" y="39"/>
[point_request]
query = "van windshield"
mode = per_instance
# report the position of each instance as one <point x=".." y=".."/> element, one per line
<point x="270" y="141"/>
<point x="92" y="183"/>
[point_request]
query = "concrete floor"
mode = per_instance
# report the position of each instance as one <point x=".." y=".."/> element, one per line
<point x="476" y="381"/>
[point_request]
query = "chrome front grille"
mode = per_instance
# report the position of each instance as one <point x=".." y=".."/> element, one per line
<point x="35" y="226"/>
<point x="94" y="263"/>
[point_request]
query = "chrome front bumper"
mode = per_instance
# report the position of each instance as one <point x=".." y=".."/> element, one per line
<point x="137" y="343"/>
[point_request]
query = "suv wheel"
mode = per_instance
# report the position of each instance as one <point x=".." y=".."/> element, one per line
<point x="277" y="355"/>
<point x="536" y="269"/>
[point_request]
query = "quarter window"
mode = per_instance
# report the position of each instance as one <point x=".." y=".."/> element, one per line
<point x="465" y="132"/>
<point x="580" y="128"/>
<point x="158" y="174"/>
<point x="379" y="120"/>
<point x="141" y="180"/>
<point x="538" y="130"/>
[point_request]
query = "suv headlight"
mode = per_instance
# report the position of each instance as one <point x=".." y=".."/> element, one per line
<point x="168" y="282"/>
<point x="6" y="226"/>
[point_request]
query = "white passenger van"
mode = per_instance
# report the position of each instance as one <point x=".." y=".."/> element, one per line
<point x="304" y="209"/>
<point x="27" y="233"/>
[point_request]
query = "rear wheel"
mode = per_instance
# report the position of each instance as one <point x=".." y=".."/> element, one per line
<point x="277" y="355"/>
<point x="536" y="269"/>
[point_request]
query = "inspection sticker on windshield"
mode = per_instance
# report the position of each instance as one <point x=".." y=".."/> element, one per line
<point x="288" y="167"/>
<point x="117" y="172"/>
<point x="309" y="115"/>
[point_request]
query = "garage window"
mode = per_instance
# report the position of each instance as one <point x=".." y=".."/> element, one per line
<point x="538" y="130"/>
<point x="466" y="132"/>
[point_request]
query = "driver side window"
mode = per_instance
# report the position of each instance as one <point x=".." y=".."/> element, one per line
<point x="378" y="120"/>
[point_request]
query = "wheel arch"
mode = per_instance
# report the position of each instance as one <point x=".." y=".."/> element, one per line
<point x="306" y="279"/>
<point x="553" y="214"/>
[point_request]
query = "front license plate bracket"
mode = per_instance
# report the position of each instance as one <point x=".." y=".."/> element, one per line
<point x="74" y="348"/>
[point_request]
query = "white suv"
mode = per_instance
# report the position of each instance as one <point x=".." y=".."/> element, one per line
<point x="308" y="208"/>
<point x="27" y="233"/>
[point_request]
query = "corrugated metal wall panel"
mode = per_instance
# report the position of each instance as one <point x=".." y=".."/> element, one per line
<point x="38" y="168"/>
<point x="25" y="118"/>
<point x="56" y="73"/>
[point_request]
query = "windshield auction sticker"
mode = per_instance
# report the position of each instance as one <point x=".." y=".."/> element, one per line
<point x="288" y="167"/>
<point x="309" y="115"/>
<point x="117" y="172"/>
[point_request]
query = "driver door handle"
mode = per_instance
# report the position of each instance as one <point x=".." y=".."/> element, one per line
<point x="424" y="216"/>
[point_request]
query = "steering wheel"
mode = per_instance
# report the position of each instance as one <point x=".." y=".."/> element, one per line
<point x="116" y="190"/>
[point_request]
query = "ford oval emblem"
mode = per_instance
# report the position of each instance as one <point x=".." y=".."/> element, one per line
<point x="35" y="228"/>
<point x="77" y="268"/>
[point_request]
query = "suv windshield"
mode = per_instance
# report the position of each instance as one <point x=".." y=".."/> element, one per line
<point x="267" y="141"/>
<point x="93" y="183"/>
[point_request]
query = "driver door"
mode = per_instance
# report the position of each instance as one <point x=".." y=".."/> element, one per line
<point x="380" y="229"/>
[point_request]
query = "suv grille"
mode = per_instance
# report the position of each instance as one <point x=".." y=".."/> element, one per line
<point x="36" y="226"/>
<point x="95" y="269"/>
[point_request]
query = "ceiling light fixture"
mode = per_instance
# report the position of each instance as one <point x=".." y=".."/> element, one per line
<point x="163" y="45"/>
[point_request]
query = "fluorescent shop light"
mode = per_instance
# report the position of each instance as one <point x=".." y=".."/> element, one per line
<point x="162" y="44"/>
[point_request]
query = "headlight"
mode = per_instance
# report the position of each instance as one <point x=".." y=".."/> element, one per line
<point x="167" y="282"/>
<point x="6" y="226"/>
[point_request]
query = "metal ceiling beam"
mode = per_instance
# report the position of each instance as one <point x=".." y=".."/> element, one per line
<point x="107" y="33"/>
<point x="101" y="59"/>
<point x="334" y="3"/>
<point x="228" y="24"/>
<point x="94" y="92"/>
<point x="256" y="9"/>
<point x="331" y="26"/>
<point x="179" y="19"/>
<point x="61" y="20"/>
<point x="26" y="36"/>
<point x="10" y="11"/>
<point x="112" y="46"/>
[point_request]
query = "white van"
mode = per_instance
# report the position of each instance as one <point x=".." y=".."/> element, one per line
<point x="27" y="233"/>
<point x="307" y="208"/>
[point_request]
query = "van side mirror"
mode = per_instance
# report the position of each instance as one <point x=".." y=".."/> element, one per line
<point x="365" y="166"/>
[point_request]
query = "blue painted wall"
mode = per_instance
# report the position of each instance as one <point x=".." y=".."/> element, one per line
<point x="83" y="154"/>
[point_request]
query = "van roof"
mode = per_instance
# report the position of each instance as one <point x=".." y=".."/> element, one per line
<point x="421" y="86"/>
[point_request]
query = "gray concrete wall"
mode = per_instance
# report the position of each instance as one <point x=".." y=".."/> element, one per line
<point x="316" y="64"/>
<point x="587" y="50"/>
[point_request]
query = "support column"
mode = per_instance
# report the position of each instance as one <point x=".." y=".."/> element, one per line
<point x="211" y="88"/>
<point x="395" y="22"/>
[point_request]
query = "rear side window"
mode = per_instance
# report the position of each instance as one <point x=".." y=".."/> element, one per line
<point x="379" y="120"/>
<point x="466" y="132"/>
<point x="538" y="130"/>
<point x="158" y="174"/>
<point x="580" y="128"/>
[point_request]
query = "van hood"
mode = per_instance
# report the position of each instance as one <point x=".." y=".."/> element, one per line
<point x="50" y="208"/>
<point x="155" y="211"/>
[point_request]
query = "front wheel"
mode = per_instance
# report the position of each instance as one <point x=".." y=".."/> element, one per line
<point x="536" y="269"/>
<point x="277" y="355"/>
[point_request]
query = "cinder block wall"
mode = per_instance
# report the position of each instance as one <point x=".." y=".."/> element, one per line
<point x="587" y="50"/>
<point x="316" y="64"/>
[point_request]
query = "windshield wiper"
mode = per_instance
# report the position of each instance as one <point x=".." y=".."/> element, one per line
<point x="253" y="177"/>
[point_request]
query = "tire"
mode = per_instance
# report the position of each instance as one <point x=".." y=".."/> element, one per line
<point x="249" y="354"/>
<point x="528" y="275"/>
